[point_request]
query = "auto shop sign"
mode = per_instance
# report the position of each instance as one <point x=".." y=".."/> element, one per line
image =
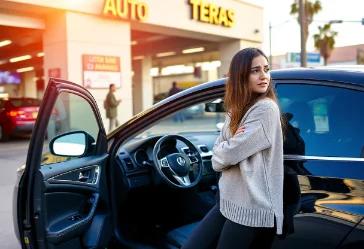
<point x="99" y="71"/>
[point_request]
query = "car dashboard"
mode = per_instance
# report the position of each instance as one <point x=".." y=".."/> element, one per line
<point x="135" y="158"/>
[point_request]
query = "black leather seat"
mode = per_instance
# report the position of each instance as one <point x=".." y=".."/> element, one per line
<point x="177" y="237"/>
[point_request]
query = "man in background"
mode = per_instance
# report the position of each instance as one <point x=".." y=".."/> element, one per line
<point x="111" y="105"/>
<point x="174" y="89"/>
<point x="179" y="115"/>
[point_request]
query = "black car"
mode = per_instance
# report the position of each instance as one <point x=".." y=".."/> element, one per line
<point x="148" y="183"/>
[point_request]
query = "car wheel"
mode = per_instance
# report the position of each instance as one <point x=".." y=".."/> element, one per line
<point x="3" y="137"/>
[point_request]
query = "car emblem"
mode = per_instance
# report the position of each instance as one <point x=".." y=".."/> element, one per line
<point x="181" y="161"/>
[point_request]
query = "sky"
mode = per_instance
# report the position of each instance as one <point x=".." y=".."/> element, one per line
<point x="286" y="37"/>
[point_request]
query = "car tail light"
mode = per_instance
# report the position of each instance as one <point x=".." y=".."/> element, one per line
<point x="15" y="113"/>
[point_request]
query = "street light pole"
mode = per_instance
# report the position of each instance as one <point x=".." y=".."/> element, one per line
<point x="303" y="45"/>
<point x="270" y="47"/>
<point x="270" y="40"/>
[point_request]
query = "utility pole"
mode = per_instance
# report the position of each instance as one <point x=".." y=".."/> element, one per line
<point x="270" y="47"/>
<point x="303" y="45"/>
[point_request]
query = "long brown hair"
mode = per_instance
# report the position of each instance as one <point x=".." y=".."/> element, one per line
<point x="238" y="96"/>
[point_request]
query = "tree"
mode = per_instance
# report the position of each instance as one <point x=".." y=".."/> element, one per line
<point x="325" y="41"/>
<point x="311" y="8"/>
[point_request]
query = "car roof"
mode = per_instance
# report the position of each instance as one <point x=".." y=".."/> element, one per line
<point x="359" y="68"/>
<point x="353" y="75"/>
<point x="328" y="73"/>
<point x="19" y="98"/>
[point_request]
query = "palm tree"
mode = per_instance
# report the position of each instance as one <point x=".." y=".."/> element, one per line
<point x="325" y="41"/>
<point x="311" y="8"/>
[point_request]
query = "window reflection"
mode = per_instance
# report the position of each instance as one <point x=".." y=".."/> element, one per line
<point x="328" y="119"/>
<point x="191" y="119"/>
<point x="73" y="114"/>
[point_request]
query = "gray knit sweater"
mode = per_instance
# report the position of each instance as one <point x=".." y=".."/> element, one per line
<point x="251" y="185"/>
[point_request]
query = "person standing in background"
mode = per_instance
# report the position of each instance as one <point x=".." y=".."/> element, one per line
<point x="179" y="115"/>
<point x="111" y="105"/>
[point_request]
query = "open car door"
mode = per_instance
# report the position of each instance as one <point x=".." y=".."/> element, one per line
<point x="62" y="197"/>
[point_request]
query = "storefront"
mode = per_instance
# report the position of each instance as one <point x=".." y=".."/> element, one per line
<point x="140" y="45"/>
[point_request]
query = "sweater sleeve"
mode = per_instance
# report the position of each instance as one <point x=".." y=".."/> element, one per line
<point x="246" y="144"/>
<point x="219" y="140"/>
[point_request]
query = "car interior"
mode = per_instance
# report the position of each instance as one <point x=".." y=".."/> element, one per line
<point x="159" y="213"/>
<point x="156" y="209"/>
<point x="159" y="206"/>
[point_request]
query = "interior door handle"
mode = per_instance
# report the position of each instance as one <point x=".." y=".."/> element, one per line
<point x="87" y="175"/>
<point x="84" y="175"/>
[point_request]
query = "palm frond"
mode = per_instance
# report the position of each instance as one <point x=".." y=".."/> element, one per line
<point x="317" y="7"/>
<point x="294" y="8"/>
<point x="324" y="40"/>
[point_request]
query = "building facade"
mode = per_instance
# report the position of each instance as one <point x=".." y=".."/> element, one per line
<point x="135" y="44"/>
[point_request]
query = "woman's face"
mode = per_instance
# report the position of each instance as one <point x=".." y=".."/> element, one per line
<point x="259" y="77"/>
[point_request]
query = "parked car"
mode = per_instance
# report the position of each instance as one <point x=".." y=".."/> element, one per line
<point x="18" y="115"/>
<point x="125" y="190"/>
<point x="159" y="97"/>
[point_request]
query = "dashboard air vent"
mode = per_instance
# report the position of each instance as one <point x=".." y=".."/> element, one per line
<point x="128" y="164"/>
<point x="187" y="151"/>
<point x="204" y="149"/>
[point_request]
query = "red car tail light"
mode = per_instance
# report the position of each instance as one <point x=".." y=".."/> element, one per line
<point x="15" y="113"/>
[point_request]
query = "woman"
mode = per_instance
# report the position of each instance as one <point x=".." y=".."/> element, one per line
<point x="249" y="153"/>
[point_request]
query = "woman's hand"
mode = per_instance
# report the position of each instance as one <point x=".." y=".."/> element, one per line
<point x="241" y="129"/>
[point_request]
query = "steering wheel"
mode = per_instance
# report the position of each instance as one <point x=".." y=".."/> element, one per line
<point x="178" y="166"/>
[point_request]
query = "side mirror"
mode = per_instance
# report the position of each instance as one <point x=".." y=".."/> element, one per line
<point x="214" y="107"/>
<point x="75" y="143"/>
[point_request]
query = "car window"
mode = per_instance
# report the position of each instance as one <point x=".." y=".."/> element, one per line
<point x="71" y="113"/>
<point x="191" y="119"/>
<point x="24" y="102"/>
<point x="328" y="119"/>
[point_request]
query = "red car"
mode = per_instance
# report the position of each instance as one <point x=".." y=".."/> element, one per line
<point x="18" y="115"/>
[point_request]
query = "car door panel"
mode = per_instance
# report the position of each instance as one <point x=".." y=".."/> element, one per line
<point x="316" y="222"/>
<point x="66" y="193"/>
<point x="355" y="240"/>
<point x="69" y="202"/>
<point x="324" y="157"/>
<point x="74" y="221"/>
<point x="67" y="172"/>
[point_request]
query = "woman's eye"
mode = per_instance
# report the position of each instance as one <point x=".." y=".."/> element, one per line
<point x="254" y="71"/>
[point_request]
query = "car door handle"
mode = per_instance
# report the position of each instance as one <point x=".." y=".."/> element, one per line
<point x="68" y="229"/>
<point x="88" y="175"/>
<point x="84" y="176"/>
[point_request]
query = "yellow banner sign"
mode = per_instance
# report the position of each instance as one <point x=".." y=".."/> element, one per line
<point x="211" y="13"/>
<point x="128" y="9"/>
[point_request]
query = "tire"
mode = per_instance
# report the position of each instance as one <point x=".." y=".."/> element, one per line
<point x="3" y="137"/>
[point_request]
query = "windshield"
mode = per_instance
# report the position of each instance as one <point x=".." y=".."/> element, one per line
<point x="191" y="119"/>
<point x="24" y="102"/>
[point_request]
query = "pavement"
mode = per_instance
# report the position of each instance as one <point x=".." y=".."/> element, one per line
<point x="12" y="156"/>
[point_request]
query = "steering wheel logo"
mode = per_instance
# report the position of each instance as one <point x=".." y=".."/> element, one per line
<point x="181" y="161"/>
